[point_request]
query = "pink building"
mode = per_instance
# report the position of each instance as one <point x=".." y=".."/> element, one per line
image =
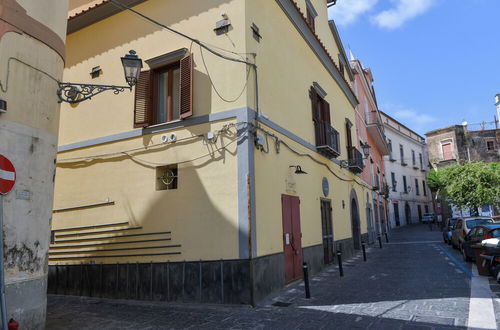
<point x="371" y="131"/>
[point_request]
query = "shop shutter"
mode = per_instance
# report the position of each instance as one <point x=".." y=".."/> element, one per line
<point x="186" y="86"/>
<point x="143" y="104"/>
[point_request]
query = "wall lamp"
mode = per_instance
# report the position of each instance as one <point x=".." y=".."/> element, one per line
<point x="298" y="169"/>
<point x="366" y="150"/>
<point x="76" y="92"/>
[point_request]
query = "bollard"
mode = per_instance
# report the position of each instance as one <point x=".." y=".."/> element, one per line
<point x="306" y="279"/>
<point x="379" y="241"/>
<point x="339" y="258"/>
<point x="363" y="246"/>
<point x="386" y="238"/>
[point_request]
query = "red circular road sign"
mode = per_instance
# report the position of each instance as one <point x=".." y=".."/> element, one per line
<point x="7" y="175"/>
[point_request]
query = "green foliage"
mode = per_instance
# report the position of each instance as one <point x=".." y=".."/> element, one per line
<point x="435" y="180"/>
<point x="470" y="185"/>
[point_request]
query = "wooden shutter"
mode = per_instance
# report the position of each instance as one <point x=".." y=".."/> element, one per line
<point x="314" y="104"/>
<point x="186" y="86"/>
<point x="325" y="116"/>
<point x="143" y="104"/>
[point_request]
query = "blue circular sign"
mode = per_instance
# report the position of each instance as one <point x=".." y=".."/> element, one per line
<point x="326" y="187"/>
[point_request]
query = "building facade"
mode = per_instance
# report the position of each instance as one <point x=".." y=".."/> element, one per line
<point x="459" y="144"/>
<point x="209" y="183"/>
<point x="32" y="54"/>
<point x="406" y="169"/>
<point x="371" y="132"/>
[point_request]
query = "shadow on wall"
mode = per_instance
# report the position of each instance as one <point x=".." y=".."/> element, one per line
<point x="117" y="32"/>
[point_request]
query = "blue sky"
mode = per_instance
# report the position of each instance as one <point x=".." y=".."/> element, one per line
<point x="435" y="62"/>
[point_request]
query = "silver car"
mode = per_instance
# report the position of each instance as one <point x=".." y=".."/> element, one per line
<point x="463" y="226"/>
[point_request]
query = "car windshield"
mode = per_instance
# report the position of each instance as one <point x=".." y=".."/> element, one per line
<point x="475" y="222"/>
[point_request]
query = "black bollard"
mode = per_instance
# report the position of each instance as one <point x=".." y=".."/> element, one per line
<point x="306" y="279"/>
<point x="380" y="241"/>
<point x="364" y="251"/>
<point x="386" y="238"/>
<point x="339" y="258"/>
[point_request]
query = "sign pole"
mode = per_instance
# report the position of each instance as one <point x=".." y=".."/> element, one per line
<point x="3" y="305"/>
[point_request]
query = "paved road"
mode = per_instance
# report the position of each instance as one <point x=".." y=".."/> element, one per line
<point x="414" y="282"/>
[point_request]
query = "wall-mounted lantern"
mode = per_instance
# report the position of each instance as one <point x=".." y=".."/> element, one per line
<point x="366" y="150"/>
<point x="298" y="169"/>
<point x="76" y="92"/>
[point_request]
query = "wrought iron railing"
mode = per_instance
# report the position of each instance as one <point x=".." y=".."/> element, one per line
<point x="327" y="138"/>
<point x="355" y="160"/>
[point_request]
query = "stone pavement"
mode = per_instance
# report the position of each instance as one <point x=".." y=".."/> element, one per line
<point x="414" y="282"/>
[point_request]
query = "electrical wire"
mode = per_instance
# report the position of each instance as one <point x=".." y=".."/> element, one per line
<point x="6" y="87"/>
<point x="215" y="88"/>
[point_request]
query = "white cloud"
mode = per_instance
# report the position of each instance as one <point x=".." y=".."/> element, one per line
<point x="403" y="11"/>
<point x="419" y="122"/>
<point x="346" y="12"/>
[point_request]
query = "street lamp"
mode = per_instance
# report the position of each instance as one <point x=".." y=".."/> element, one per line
<point x="366" y="150"/>
<point x="76" y="92"/>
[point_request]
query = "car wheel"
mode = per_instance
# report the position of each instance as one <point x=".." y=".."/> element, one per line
<point x="465" y="256"/>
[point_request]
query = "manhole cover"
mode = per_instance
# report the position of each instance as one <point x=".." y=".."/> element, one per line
<point x="281" y="304"/>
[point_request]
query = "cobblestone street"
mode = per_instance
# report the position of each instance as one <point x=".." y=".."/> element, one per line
<point x="414" y="282"/>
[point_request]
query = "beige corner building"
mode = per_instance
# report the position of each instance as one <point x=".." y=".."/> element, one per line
<point x="32" y="53"/>
<point x="216" y="177"/>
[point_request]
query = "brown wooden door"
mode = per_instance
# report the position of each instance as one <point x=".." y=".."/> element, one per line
<point x="292" y="237"/>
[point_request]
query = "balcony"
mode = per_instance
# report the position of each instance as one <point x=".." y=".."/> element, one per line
<point x="355" y="160"/>
<point x="376" y="130"/>
<point x="327" y="139"/>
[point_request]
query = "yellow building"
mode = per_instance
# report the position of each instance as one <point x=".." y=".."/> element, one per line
<point x="192" y="187"/>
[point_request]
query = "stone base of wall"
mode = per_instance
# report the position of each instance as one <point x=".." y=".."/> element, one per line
<point x="213" y="282"/>
<point x="26" y="302"/>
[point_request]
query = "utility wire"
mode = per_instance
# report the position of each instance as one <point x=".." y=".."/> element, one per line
<point x="6" y="87"/>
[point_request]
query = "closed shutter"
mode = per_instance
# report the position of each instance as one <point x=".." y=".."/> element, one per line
<point x="186" y="86"/>
<point x="314" y="104"/>
<point x="326" y="112"/>
<point x="143" y="104"/>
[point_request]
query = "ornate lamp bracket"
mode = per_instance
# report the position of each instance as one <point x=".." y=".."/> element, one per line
<point x="76" y="93"/>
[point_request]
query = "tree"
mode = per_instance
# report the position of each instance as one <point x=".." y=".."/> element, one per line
<point x="470" y="185"/>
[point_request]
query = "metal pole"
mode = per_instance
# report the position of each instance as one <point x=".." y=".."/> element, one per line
<point x="339" y="258"/>
<point x="306" y="280"/>
<point x="363" y="246"/>
<point x="386" y="237"/>
<point x="380" y="241"/>
<point x="3" y="304"/>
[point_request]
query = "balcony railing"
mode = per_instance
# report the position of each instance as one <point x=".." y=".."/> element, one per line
<point x="355" y="160"/>
<point x="327" y="139"/>
<point x="373" y="118"/>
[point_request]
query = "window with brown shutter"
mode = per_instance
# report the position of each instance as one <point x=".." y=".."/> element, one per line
<point x="165" y="93"/>
<point x="327" y="138"/>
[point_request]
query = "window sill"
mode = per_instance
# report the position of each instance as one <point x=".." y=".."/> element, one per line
<point x="165" y="123"/>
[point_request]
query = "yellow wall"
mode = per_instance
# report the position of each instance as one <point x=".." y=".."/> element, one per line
<point x="103" y="43"/>
<point x="199" y="213"/>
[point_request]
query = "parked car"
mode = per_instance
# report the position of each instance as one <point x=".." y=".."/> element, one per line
<point x="474" y="238"/>
<point x="428" y="217"/>
<point x="463" y="226"/>
<point x="448" y="229"/>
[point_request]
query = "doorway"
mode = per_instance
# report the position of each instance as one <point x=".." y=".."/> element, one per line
<point x="292" y="237"/>
<point x="327" y="228"/>
<point x="356" y="228"/>
<point x="407" y="213"/>
<point x="419" y="210"/>
<point x="396" y="214"/>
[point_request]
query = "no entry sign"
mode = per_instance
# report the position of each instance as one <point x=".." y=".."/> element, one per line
<point x="7" y="175"/>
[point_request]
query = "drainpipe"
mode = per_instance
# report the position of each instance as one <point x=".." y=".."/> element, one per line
<point x="3" y="305"/>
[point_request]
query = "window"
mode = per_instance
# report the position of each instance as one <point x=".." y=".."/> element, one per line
<point x="405" y="186"/>
<point x="402" y="155"/>
<point x="166" y="177"/>
<point x="421" y="161"/>
<point x="424" y="188"/>
<point x="393" y="181"/>
<point x="327" y="138"/>
<point x="417" y="188"/>
<point x="389" y="143"/>
<point x="447" y="149"/>
<point x="413" y="160"/>
<point x="311" y="15"/>
<point x="165" y="92"/>
<point x="490" y="145"/>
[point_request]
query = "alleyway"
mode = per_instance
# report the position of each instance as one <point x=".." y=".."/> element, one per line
<point x="414" y="282"/>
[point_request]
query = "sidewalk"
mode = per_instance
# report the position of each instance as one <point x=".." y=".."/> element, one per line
<point x="408" y="284"/>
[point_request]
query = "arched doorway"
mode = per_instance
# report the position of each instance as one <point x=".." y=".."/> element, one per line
<point x="355" y="224"/>
<point x="407" y="213"/>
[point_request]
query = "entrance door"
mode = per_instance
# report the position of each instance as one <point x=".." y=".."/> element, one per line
<point x="326" y="225"/>
<point x="407" y="213"/>
<point x="419" y="209"/>
<point x="292" y="237"/>
<point x="396" y="214"/>
<point x="356" y="228"/>
<point x="371" y="226"/>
